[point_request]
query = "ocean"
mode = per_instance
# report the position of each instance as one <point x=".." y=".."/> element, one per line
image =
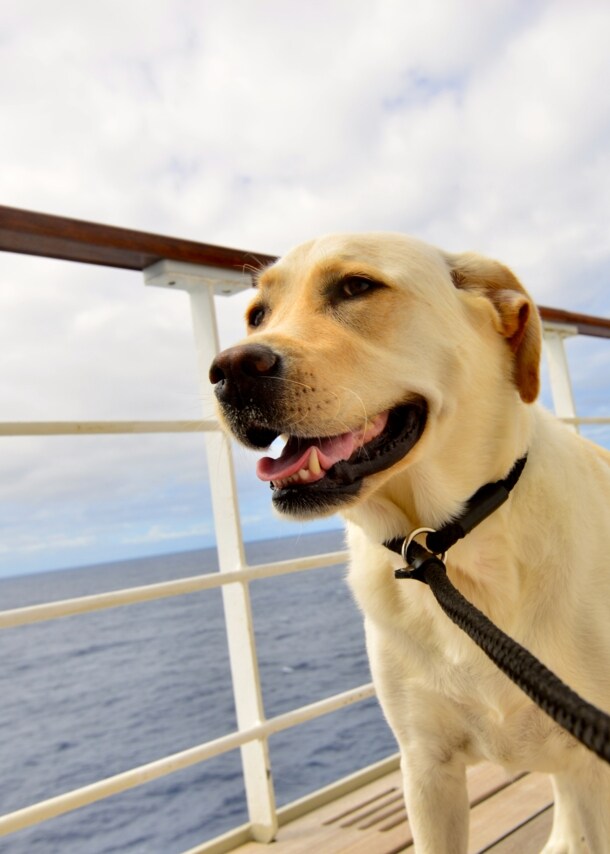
<point x="89" y="696"/>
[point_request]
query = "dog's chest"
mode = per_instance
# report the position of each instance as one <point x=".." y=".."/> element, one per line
<point x="433" y="682"/>
<point x="435" y="685"/>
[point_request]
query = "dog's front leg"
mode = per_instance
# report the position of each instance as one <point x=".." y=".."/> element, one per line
<point x="582" y="810"/>
<point x="430" y="730"/>
<point x="437" y="803"/>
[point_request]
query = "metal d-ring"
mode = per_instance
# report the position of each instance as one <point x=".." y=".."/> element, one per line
<point x="411" y="537"/>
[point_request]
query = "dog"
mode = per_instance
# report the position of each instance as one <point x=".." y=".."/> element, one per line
<point x="403" y="378"/>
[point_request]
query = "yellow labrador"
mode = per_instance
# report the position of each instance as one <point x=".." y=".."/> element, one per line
<point x="404" y="378"/>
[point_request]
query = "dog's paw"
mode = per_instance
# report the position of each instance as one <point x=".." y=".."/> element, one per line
<point x="562" y="847"/>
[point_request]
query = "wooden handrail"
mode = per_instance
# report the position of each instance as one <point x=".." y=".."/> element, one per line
<point x="587" y="324"/>
<point x="31" y="233"/>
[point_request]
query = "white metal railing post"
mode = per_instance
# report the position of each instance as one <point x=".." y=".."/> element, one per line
<point x="559" y="372"/>
<point x="200" y="283"/>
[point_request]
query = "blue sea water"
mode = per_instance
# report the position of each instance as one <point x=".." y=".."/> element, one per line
<point x="89" y="696"/>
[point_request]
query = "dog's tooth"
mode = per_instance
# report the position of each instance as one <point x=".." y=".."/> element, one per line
<point x="304" y="474"/>
<point x="314" y="462"/>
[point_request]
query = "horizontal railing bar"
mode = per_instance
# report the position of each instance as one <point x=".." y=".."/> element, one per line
<point x="32" y="233"/>
<point x="163" y="589"/>
<point x="61" y="804"/>
<point x="586" y="324"/>
<point x="94" y="428"/>
<point x="576" y="419"/>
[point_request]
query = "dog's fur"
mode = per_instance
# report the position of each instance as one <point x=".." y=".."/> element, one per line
<point x="461" y="333"/>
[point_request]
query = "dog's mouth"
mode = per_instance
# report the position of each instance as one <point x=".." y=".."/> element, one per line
<point x="313" y="475"/>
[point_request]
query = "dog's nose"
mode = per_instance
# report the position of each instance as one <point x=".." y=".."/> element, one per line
<point x="238" y="368"/>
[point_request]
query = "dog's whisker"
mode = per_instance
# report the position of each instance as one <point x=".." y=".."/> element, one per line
<point x="361" y="401"/>
<point x="255" y="267"/>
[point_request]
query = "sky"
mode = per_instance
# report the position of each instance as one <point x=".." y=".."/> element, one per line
<point x="259" y="124"/>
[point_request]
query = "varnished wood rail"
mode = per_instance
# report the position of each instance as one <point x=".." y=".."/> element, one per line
<point x="32" y="233"/>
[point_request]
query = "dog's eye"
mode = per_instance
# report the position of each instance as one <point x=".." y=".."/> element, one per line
<point x="256" y="315"/>
<point x="355" y="286"/>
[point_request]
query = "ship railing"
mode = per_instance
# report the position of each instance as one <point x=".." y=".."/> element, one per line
<point x="203" y="270"/>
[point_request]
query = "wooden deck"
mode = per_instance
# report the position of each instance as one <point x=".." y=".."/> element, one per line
<point x="508" y="815"/>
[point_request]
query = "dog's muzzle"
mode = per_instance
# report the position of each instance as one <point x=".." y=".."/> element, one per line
<point x="314" y="474"/>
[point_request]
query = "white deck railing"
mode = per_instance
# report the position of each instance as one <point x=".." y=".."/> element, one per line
<point x="253" y="729"/>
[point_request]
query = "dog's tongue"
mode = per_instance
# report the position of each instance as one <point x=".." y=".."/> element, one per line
<point x="330" y="450"/>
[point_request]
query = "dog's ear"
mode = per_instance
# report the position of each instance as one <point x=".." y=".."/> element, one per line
<point x="516" y="315"/>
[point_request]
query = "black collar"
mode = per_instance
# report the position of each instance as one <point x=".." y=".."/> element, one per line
<point x="478" y="507"/>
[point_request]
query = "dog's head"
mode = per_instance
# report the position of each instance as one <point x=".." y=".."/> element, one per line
<point x="360" y="349"/>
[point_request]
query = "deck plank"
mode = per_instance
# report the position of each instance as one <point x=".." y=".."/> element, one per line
<point x="529" y="838"/>
<point x="512" y="807"/>
<point x="373" y="820"/>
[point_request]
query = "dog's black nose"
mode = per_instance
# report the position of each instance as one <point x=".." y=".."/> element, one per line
<point x="235" y="371"/>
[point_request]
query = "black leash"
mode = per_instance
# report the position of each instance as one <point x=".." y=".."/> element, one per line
<point x="585" y="722"/>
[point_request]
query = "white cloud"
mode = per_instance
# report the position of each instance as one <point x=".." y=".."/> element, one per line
<point x="159" y="533"/>
<point x="258" y="125"/>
